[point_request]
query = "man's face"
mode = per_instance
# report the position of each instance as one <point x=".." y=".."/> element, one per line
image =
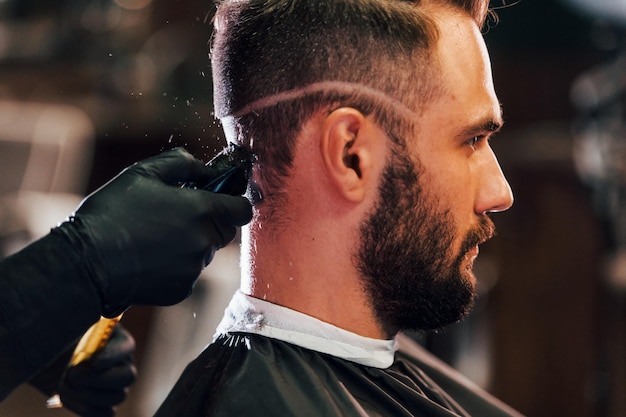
<point x="420" y="242"/>
<point x="413" y="277"/>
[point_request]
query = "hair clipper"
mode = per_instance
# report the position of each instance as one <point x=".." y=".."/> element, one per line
<point x="230" y="170"/>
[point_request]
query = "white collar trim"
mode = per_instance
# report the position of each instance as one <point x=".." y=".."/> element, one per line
<point x="252" y="315"/>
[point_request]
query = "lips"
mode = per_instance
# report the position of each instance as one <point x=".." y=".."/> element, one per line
<point x="473" y="253"/>
<point x="470" y="256"/>
<point x="478" y="235"/>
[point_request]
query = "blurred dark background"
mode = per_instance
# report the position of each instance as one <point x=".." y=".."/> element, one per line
<point x="548" y="335"/>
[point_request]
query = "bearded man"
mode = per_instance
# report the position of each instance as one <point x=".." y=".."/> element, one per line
<point x="374" y="180"/>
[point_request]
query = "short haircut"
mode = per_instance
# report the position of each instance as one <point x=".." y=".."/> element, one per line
<point x="262" y="48"/>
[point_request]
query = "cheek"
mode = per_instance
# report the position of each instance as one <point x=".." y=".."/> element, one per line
<point x="451" y="185"/>
<point x="452" y="191"/>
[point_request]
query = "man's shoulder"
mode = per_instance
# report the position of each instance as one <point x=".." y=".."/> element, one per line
<point x="251" y="375"/>
<point x="470" y="396"/>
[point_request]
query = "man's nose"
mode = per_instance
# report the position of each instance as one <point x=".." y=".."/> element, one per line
<point x="494" y="192"/>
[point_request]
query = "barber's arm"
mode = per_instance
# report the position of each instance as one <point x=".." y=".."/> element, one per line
<point x="140" y="239"/>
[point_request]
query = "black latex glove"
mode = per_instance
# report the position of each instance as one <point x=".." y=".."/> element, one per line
<point x="145" y="239"/>
<point x="93" y="388"/>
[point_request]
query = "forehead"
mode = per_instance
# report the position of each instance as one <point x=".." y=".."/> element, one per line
<point x="464" y="71"/>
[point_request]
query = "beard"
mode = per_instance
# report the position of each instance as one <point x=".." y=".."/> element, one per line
<point x="413" y="279"/>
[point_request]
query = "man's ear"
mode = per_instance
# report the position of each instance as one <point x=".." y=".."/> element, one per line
<point x="347" y="151"/>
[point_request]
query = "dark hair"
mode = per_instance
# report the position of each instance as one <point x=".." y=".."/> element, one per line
<point x="266" y="47"/>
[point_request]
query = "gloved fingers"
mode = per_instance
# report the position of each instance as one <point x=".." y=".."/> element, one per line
<point x="91" y="393"/>
<point x="226" y="234"/>
<point x="94" y="398"/>
<point x="229" y="210"/>
<point x="209" y="256"/>
<point x="179" y="288"/>
<point x="119" y="348"/>
<point x="83" y="376"/>
<point x="173" y="167"/>
<point x="88" y="403"/>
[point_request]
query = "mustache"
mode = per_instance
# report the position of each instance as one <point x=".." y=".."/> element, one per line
<point x="482" y="232"/>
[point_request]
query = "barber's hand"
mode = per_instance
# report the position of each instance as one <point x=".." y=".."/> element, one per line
<point x="93" y="388"/>
<point x="145" y="239"/>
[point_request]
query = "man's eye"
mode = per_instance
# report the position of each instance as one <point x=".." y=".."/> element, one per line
<point x="474" y="141"/>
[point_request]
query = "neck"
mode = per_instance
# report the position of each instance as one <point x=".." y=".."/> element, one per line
<point x="312" y="274"/>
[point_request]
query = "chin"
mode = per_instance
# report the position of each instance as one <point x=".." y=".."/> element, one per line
<point x="467" y="275"/>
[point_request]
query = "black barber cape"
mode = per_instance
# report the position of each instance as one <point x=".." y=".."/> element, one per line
<point x="247" y="373"/>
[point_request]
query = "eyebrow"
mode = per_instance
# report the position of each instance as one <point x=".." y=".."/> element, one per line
<point x="489" y="124"/>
